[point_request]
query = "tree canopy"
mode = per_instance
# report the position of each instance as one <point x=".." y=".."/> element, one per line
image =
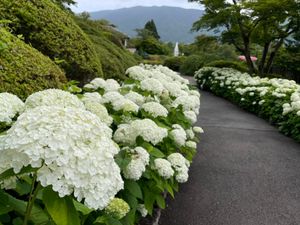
<point x="151" y="27"/>
<point x="268" y="23"/>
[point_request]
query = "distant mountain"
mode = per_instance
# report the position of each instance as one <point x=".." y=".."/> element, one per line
<point x="173" y="24"/>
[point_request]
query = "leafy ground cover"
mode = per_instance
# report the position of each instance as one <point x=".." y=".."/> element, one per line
<point x="276" y="100"/>
<point x="104" y="154"/>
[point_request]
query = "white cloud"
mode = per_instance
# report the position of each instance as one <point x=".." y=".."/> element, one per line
<point x="97" y="5"/>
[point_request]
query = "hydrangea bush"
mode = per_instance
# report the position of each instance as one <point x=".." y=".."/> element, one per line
<point x="107" y="153"/>
<point x="276" y="100"/>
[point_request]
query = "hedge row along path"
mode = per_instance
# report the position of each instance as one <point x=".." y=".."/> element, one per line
<point x="245" y="172"/>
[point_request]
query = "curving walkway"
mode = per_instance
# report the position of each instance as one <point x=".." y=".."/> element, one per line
<point x="245" y="172"/>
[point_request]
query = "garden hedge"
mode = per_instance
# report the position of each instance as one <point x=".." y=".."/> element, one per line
<point x="23" y="69"/>
<point x="53" y="31"/>
<point x="114" y="58"/>
<point x="276" y="100"/>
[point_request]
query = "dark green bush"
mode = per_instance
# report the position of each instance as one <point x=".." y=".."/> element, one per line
<point x="229" y="64"/>
<point x="152" y="46"/>
<point x="24" y="70"/>
<point x="115" y="59"/>
<point x="53" y="31"/>
<point x="174" y="63"/>
<point x="191" y="64"/>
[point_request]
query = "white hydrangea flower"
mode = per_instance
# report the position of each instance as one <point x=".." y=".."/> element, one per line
<point x="92" y="102"/>
<point x="182" y="176"/>
<point x="189" y="103"/>
<point x="91" y="97"/>
<point x="111" y="85"/>
<point x="191" y="144"/>
<point x="100" y="111"/>
<point x="10" y="106"/>
<point x="191" y="116"/>
<point x="9" y="183"/>
<point x="135" y="97"/>
<point x="164" y="168"/>
<point x="178" y="135"/>
<point x="72" y="149"/>
<point x="152" y="85"/>
<point x="142" y="209"/>
<point x="146" y="128"/>
<point x="155" y="109"/>
<point x="137" y="73"/>
<point x="96" y="83"/>
<point x="198" y="130"/>
<point x="180" y="165"/>
<point x="125" y="105"/>
<point x="190" y="133"/>
<point x="53" y="97"/>
<point x="177" y="161"/>
<point x="137" y="166"/>
<point x="111" y="96"/>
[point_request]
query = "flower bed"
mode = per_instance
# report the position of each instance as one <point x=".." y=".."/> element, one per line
<point x="276" y="100"/>
<point x="103" y="154"/>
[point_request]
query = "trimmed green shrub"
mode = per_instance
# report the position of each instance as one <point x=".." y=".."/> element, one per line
<point x="191" y="64"/>
<point x="229" y="64"/>
<point x="23" y="69"/>
<point x="174" y="63"/>
<point x="153" y="46"/>
<point x="115" y="59"/>
<point x="53" y="31"/>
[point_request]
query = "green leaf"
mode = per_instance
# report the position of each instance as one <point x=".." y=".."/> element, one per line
<point x="82" y="208"/>
<point x="134" y="188"/>
<point x="61" y="210"/>
<point x="100" y="219"/>
<point x="130" y="199"/>
<point x="157" y="153"/>
<point x="161" y="201"/>
<point x="149" y="200"/>
<point x="37" y="216"/>
<point x="10" y="172"/>
<point x="170" y="189"/>
<point x="5" y="207"/>
<point x="113" y="221"/>
<point x="130" y="218"/>
<point x="23" y="188"/>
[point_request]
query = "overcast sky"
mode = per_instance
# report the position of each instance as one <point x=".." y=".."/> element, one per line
<point x="97" y="5"/>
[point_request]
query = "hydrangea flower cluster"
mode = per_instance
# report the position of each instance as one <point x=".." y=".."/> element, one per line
<point x="277" y="100"/>
<point x="155" y="109"/>
<point x="69" y="139"/>
<point x="137" y="166"/>
<point x="53" y="97"/>
<point x="106" y="85"/>
<point x="92" y="102"/>
<point x="164" y="168"/>
<point x="146" y="128"/>
<point x="142" y="209"/>
<point x="117" y="208"/>
<point x="61" y="142"/>
<point x="10" y="107"/>
<point x="181" y="166"/>
<point x="119" y="102"/>
<point x="178" y="134"/>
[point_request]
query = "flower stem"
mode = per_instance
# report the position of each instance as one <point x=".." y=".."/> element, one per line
<point x="33" y="194"/>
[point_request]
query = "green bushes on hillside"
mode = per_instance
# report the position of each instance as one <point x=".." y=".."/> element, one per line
<point x="53" y="32"/>
<point x="23" y="69"/>
<point x="191" y="64"/>
<point x="115" y="59"/>
<point x="174" y="63"/>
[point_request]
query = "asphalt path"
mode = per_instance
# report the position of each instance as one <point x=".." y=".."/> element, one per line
<point x="245" y="172"/>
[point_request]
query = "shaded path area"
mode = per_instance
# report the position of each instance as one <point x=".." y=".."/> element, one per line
<point x="245" y="172"/>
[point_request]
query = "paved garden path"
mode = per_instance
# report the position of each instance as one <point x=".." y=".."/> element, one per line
<point x="245" y="172"/>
